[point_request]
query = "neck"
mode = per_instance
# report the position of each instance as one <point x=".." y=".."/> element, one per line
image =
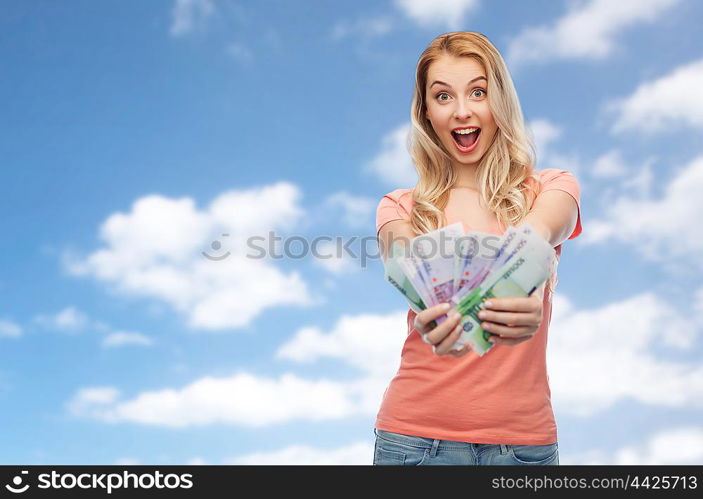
<point x="466" y="176"/>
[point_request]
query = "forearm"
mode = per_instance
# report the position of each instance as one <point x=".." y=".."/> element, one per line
<point x="541" y="227"/>
<point x="554" y="216"/>
<point x="553" y="235"/>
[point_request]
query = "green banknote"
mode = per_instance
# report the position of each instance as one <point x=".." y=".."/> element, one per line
<point x="520" y="276"/>
<point x="393" y="273"/>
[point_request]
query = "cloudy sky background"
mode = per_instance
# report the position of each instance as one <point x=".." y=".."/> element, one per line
<point x="136" y="135"/>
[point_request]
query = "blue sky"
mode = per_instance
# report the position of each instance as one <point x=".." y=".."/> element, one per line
<point x="136" y="133"/>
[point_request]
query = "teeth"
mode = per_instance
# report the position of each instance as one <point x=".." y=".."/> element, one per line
<point x="466" y="131"/>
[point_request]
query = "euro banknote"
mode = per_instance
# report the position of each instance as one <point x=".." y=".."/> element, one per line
<point x="521" y="275"/>
<point x="395" y="274"/>
<point x="465" y="269"/>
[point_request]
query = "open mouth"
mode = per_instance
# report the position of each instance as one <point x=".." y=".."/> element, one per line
<point x="466" y="141"/>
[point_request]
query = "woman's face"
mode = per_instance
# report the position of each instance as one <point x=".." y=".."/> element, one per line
<point x="460" y="101"/>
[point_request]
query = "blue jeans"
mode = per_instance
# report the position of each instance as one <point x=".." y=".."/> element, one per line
<point x="406" y="450"/>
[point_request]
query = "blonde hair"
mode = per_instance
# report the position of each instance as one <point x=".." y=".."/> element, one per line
<point x="504" y="170"/>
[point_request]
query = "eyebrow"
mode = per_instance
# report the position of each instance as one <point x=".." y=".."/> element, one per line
<point x="437" y="82"/>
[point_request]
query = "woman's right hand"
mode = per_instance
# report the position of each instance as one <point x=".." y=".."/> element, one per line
<point x="443" y="336"/>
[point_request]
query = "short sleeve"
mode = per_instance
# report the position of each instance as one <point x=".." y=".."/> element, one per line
<point x="562" y="180"/>
<point x="395" y="205"/>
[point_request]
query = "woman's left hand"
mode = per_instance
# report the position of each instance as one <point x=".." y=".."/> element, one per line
<point x="513" y="320"/>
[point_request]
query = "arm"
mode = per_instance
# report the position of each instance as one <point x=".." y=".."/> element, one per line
<point x="399" y="231"/>
<point x="554" y="215"/>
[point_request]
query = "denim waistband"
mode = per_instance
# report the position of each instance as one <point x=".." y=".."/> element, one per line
<point x="423" y="442"/>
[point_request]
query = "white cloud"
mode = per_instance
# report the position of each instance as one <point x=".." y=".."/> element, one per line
<point x="332" y="258"/>
<point x="544" y="132"/>
<point x="121" y="338"/>
<point x="609" y="165"/>
<point x="641" y="182"/>
<point x="9" y="329"/>
<point x="369" y="342"/>
<point x="158" y="250"/>
<point x="69" y="319"/>
<point x="359" y="453"/>
<point x="241" y="399"/>
<point x="187" y="14"/>
<point x="667" y="447"/>
<point x="356" y="211"/>
<point x="670" y="102"/>
<point x="393" y="165"/>
<point x="675" y="446"/>
<point x="618" y="178"/>
<point x="372" y="343"/>
<point x="659" y="229"/>
<point x="438" y="13"/>
<point x="600" y="356"/>
<point x="90" y="401"/>
<point x="588" y="31"/>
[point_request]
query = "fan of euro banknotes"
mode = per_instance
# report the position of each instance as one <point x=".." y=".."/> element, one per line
<point x="464" y="269"/>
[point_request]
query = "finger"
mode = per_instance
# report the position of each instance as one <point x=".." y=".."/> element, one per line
<point x="445" y="345"/>
<point x="514" y="304"/>
<point x="508" y="341"/>
<point x="509" y="331"/>
<point x="433" y="333"/>
<point x="424" y="338"/>
<point x="423" y="318"/>
<point x="507" y="318"/>
<point x="438" y="334"/>
<point x="460" y="353"/>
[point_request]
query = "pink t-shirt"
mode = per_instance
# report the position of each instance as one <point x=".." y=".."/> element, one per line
<point x="500" y="398"/>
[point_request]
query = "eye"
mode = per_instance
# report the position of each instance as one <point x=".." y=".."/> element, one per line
<point x="441" y="93"/>
<point x="480" y="90"/>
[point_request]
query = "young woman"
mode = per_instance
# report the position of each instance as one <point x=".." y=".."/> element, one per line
<point x="444" y="406"/>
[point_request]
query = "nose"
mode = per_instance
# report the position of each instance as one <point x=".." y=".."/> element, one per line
<point x="462" y="111"/>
